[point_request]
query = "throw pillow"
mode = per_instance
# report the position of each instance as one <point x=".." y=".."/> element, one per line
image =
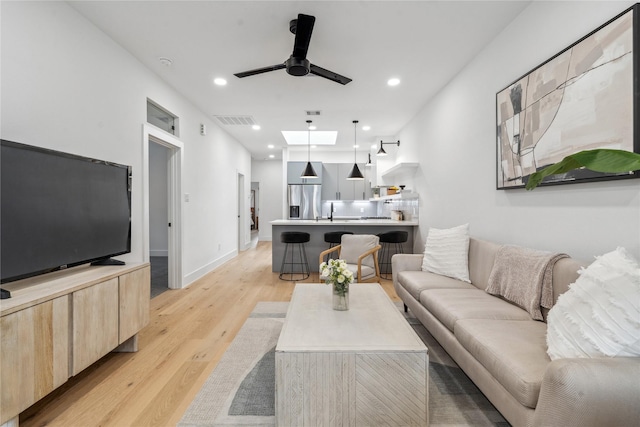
<point x="599" y="316"/>
<point x="447" y="252"/>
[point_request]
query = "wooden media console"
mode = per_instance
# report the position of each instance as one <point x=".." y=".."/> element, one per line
<point x="57" y="324"/>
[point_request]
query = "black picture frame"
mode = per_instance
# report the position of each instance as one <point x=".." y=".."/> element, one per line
<point x="584" y="97"/>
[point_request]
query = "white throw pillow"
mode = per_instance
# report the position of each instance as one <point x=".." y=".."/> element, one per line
<point x="599" y="316"/>
<point x="447" y="252"/>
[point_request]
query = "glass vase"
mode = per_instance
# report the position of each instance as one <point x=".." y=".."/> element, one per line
<point x="341" y="296"/>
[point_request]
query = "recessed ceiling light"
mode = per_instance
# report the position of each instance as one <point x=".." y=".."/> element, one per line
<point x="220" y="81"/>
<point x="374" y="145"/>
<point x="312" y="127"/>
<point x="255" y="127"/>
<point x="271" y="156"/>
<point x="366" y="127"/>
<point x="319" y="137"/>
<point x="314" y="146"/>
<point x="393" y="82"/>
<point x="270" y="146"/>
<point x="356" y="146"/>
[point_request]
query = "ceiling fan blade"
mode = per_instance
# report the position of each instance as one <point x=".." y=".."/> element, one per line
<point x="319" y="71"/>
<point x="304" y="28"/>
<point x="260" y="70"/>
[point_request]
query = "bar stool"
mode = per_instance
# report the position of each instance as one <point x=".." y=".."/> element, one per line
<point x="334" y="238"/>
<point x="297" y="265"/>
<point x="391" y="240"/>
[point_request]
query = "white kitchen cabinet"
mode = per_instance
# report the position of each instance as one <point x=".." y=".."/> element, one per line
<point x="336" y="186"/>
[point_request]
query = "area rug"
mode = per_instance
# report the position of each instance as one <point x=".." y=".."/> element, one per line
<point x="241" y="389"/>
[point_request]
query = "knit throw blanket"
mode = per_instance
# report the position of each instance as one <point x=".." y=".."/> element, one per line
<point x="524" y="277"/>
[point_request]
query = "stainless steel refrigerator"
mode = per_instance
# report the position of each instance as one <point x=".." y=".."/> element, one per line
<point x="304" y="201"/>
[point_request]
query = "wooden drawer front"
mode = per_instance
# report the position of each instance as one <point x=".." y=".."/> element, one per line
<point x="135" y="294"/>
<point x="34" y="354"/>
<point x="95" y="323"/>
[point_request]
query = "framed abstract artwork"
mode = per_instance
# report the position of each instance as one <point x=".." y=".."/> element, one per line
<point x="585" y="97"/>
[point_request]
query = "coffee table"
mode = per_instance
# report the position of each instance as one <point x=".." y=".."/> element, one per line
<point x="361" y="367"/>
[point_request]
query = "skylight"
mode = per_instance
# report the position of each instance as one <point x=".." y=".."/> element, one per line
<point x="318" y="137"/>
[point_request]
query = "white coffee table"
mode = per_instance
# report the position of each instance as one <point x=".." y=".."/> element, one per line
<point x="361" y="367"/>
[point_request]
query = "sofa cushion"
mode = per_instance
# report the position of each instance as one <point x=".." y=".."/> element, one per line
<point x="513" y="351"/>
<point x="451" y="305"/>
<point x="447" y="252"/>
<point x="417" y="281"/>
<point x="482" y="255"/>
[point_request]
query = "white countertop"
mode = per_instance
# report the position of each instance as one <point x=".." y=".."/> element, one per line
<point x="355" y="222"/>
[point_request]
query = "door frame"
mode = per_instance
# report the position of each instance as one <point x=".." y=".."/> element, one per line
<point x="152" y="134"/>
<point x="242" y="217"/>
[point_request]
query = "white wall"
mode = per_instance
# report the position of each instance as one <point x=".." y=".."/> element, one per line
<point x="454" y="137"/>
<point x="268" y="173"/>
<point x="67" y="86"/>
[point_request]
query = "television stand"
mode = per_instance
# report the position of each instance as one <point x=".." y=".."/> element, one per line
<point x="57" y="324"/>
<point x="108" y="261"/>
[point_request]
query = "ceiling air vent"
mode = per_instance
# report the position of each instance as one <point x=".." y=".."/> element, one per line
<point x="236" y="120"/>
<point x="313" y="112"/>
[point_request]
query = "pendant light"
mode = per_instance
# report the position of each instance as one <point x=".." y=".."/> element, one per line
<point x="355" y="173"/>
<point x="309" y="172"/>
<point x="369" y="161"/>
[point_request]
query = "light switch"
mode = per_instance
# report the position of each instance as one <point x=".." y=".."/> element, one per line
<point x="186" y="197"/>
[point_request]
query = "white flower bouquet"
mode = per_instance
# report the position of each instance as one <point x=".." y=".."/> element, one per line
<point x="335" y="272"/>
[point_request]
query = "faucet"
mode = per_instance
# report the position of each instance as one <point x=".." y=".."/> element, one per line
<point x="331" y="216"/>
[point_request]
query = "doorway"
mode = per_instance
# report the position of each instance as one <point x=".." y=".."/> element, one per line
<point x="162" y="211"/>
<point x="159" y="217"/>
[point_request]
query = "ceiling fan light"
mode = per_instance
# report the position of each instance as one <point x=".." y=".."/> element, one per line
<point x="355" y="173"/>
<point x="309" y="172"/>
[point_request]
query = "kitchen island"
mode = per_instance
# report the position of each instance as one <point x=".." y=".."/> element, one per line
<point x="317" y="228"/>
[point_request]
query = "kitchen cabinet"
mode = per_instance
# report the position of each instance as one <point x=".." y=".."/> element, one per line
<point x="295" y="169"/>
<point x="335" y="185"/>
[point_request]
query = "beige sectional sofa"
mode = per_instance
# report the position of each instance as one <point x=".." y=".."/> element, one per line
<point x="504" y="351"/>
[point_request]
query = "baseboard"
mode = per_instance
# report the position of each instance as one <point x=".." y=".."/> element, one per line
<point x="208" y="268"/>
<point x="158" y="252"/>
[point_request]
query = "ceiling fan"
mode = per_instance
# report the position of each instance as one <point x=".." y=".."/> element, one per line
<point x="298" y="64"/>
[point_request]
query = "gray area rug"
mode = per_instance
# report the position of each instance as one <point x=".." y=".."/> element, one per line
<point x="241" y="389"/>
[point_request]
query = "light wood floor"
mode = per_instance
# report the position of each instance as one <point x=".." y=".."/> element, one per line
<point x="188" y="332"/>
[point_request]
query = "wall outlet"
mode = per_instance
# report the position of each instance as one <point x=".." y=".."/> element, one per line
<point x="186" y="197"/>
<point x="219" y="246"/>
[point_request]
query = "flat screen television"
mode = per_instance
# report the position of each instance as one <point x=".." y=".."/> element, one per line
<point x="60" y="210"/>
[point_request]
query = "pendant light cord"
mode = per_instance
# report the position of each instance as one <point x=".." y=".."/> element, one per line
<point x="309" y="141"/>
